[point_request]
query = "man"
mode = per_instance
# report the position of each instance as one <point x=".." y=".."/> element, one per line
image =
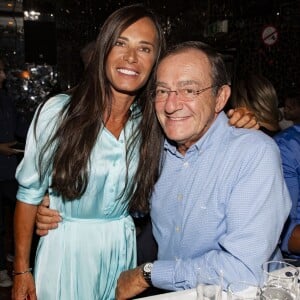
<point x="220" y="202"/>
<point x="289" y="144"/>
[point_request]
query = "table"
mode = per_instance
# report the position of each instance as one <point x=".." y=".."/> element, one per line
<point x="186" y="295"/>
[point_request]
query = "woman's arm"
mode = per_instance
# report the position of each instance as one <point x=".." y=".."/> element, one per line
<point x="24" y="219"/>
<point x="241" y="117"/>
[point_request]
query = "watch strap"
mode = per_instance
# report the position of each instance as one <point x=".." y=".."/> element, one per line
<point x="146" y="271"/>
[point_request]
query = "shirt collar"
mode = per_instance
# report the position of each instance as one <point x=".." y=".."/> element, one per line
<point x="215" y="132"/>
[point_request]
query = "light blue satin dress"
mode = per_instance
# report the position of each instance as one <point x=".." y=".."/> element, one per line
<point x="83" y="257"/>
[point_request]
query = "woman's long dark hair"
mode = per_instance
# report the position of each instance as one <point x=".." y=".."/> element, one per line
<point x="257" y="93"/>
<point x="82" y="119"/>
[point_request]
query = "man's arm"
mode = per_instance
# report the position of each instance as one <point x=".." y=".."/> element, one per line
<point x="46" y="218"/>
<point x="137" y="284"/>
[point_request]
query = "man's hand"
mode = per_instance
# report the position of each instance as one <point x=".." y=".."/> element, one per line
<point x="242" y="118"/>
<point x="46" y="218"/>
<point x="130" y="284"/>
<point x="5" y="149"/>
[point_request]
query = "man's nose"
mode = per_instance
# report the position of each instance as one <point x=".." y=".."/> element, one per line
<point x="173" y="102"/>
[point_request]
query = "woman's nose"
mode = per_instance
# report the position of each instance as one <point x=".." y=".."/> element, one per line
<point x="130" y="56"/>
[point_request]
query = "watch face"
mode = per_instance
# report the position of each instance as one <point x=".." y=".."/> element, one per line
<point x="148" y="267"/>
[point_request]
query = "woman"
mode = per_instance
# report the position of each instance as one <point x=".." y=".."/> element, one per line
<point x="256" y="93"/>
<point x="83" y="149"/>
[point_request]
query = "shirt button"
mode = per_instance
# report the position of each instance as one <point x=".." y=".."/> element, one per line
<point x="179" y="197"/>
<point x="177" y="228"/>
<point x="186" y="164"/>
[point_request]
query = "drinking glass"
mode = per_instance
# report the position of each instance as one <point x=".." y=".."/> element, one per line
<point x="280" y="281"/>
<point x="209" y="287"/>
<point x="243" y="291"/>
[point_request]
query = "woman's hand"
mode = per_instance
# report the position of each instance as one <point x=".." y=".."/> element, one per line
<point x="24" y="287"/>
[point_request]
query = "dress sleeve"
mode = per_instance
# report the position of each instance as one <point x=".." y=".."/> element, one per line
<point x="31" y="188"/>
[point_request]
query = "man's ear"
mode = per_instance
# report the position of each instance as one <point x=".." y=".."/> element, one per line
<point x="222" y="97"/>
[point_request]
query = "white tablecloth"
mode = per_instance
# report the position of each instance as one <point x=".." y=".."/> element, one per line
<point x="187" y="294"/>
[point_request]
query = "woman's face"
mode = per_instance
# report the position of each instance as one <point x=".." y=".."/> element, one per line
<point x="131" y="59"/>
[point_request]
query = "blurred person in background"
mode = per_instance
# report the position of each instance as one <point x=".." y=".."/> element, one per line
<point x="8" y="184"/>
<point x="258" y="94"/>
<point x="289" y="144"/>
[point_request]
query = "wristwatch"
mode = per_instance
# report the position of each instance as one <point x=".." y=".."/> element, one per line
<point x="146" y="268"/>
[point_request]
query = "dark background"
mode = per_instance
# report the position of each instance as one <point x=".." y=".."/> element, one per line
<point x="48" y="48"/>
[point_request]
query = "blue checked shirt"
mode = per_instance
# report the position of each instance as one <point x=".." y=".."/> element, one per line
<point x="289" y="145"/>
<point x="219" y="208"/>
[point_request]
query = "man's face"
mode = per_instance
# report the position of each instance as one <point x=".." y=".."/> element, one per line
<point x="291" y="110"/>
<point x="185" y="122"/>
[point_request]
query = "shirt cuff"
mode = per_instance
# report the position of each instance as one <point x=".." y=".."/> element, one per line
<point x="162" y="274"/>
<point x="171" y="275"/>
